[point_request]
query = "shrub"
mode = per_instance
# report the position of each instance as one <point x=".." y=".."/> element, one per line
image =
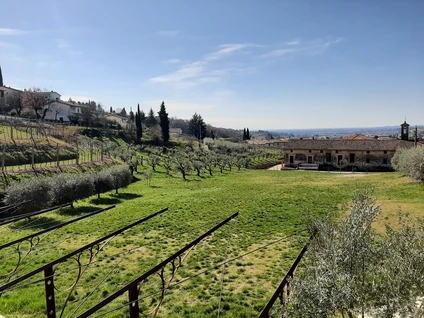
<point x="102" y="181"/>
<point x="71" y="187"/>
<point x="35" y="190"/>
<point x="410" y="162"/>
<point x="121" y="176"/>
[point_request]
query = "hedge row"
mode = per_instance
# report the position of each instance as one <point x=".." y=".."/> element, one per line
<point x="65" y="188"/>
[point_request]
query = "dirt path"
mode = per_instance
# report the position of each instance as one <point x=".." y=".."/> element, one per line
<point x="277" y="167"/>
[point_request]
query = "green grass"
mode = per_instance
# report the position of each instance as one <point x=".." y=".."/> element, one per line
<point x="272" y="204"/>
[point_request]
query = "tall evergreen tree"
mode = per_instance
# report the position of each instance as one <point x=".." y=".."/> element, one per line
<point x="142" y="117"/>
<point x="138" y="124"/>
<point x="111" y="110"/>
<point x="244" y="133"/>
<point x="151" y="119"/>
<point x="197" y="126"/>
<point x="164" y="122"/>
<point x="1" y="78"/>
<point x="247" y="134"/>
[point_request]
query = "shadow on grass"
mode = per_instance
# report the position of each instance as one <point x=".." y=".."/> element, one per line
<point x="41" y="223"/>
<point x="105" y="201"/>
<point x="77" y="211"/>
<point x="126" y="196"/>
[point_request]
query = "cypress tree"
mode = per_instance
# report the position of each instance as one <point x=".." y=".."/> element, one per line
<point x="247" y="134"/>
<point x="164" y="122"/>
<point x="111" y="111"/>
<point x="151" y="119"/>
<point x="138" y="125"/>
<point x="244" y="133"/>
<point x="1" y="78"/>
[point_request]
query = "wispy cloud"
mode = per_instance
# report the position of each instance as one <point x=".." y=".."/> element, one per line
<point x="173" y="61"/>
<point x="53" y="64"/>
<point x="201" y="71"/>
<point x="282" y="52"/>
<point x="227" y="50"/>
<point x="7" y="45"/>
<point x="77" y="98"/>
<point x="170" y="33"/>
<point x="66" y="45"/>
<point x="310" y="47"/>
<point x="295" y="42"/>
<point x="180" y="106"/>
<point x="187" y="71"/>
<point x="6" y="31"/>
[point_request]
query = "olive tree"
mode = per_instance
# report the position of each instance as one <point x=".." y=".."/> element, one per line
<point x="182" y="165"/>
<point x="121" y="176"/>
<point x="410" y="162"/>
<point x="351" y="270"/>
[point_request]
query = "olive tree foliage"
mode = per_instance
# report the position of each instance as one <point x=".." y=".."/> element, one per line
<point x="198" y="166"/>
<point x="102" y="182"/>
<point x="410" y="162"/>
<point x="121" y="176"/>
<point x="43" y="192"/>
<point x="68" y="188"/>
<point x="153" y="160"/>
<point x="34" y="190"/>
<point x="182" y="164"/>
<point x="350" y="270"/>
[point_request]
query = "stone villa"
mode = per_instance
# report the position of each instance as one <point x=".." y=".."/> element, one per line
<point x="358" y="153"/>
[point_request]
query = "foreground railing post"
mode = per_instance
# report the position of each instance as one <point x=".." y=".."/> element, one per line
<point x="133" y="286"/>
<point x="285" y="283"/>
<point x="49" y="287"/>
<point x="133" y="300"/>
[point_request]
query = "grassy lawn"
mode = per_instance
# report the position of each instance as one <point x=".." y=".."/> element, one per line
<point x="272" y="205"/>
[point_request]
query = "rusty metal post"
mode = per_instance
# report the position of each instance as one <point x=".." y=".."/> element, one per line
<point x="49" y="287"/>
<point x="133" y="300"/>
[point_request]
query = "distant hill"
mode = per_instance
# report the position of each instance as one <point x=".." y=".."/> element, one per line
<point x="372" y="131"/>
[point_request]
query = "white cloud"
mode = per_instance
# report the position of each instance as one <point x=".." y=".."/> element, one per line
<point x="170" y="33"/>
<point x="63" y="44"/>
<point x="311" y="47"/>
<point x="6" y="31"/>
<point x="7" y="45"/>
<point x="49" y="64"/>
<point x="173" y="61"/>
<point x="295" y="42"/>
<point x="227" y="50"/>
<point x="187" y="71"/>
<point x="282" y="52"/>
<point x="77" y="98"/>
<point x="200" y="72"/>
<point x="173" y="106"/>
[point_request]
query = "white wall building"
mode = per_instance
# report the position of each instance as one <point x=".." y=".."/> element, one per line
<point x="59" y="110"/>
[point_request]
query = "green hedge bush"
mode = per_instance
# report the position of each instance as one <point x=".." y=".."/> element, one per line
<point x="65" y="188"/>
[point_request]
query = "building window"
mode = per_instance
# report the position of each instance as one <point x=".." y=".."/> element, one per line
<point x="310" y="150"/>
<point x="291" y="150"/>
<point x="321" y="151"/>
<point x="309" y="159"/>
<point x="385" y="161"/>
<point x="77" y="110"/>
<point x="352" y="158"/>
<point x="291" y="159"/>
<point x="367" y="160"/>
<point x="385" y="152"/>
<point x="328" y="157"/>
<point x="337" y="151"/>
<point x="368" y="151"/>
<point x="339" y="158"/>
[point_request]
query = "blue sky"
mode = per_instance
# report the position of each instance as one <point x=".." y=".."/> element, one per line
<point x="263" y="64"/>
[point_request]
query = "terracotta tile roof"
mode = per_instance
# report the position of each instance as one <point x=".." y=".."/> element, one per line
<point x="263" y="141"/>
<point x="311" y="144"/>
<point x="358" y="137"/>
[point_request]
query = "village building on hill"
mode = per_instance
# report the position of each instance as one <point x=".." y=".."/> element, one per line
<point x="355" y="152"/>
